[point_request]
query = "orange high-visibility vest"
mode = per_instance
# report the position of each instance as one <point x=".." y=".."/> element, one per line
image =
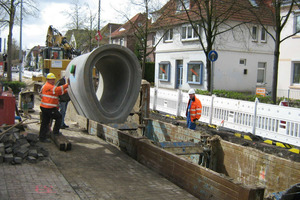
<point x="195" y="110"/>
<point x="50" y="93"/>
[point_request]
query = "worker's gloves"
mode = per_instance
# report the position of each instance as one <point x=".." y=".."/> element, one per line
<point x="194" y="120"/>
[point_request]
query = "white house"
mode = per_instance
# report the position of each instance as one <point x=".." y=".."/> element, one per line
<point x="289" y="59"/>
<point x="245" y="55"/>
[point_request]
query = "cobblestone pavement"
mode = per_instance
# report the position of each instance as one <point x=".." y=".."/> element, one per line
<point x="93" y="169"/>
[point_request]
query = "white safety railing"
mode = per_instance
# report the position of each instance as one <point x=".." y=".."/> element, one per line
<point x="274" y="122"/>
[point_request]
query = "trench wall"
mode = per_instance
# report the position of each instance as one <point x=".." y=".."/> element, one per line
<point x="244" y="164"/>
<point x="199" y="181"/>
<point x="250" y="166"/>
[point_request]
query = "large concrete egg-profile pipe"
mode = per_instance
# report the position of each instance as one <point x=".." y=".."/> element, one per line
<point x="117" y="87"/>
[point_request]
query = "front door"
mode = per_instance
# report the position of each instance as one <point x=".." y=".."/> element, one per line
<point x="179" y="73"/>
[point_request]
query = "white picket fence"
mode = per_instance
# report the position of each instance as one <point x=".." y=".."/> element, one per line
<point x="274" y="122"/>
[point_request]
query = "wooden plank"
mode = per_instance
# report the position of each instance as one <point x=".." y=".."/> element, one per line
<point x="61" y="142"/>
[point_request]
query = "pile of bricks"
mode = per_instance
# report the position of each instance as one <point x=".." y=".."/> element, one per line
<point x="17" y="146"/>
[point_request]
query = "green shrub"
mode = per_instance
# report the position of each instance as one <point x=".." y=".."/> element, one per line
<point x="16" y="86"/>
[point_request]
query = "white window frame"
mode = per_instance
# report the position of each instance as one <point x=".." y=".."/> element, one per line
<point x="164" y="71"/>
<point x="180" y="7"/>
<point x="254" y="36"/>
<point x="293" y="71"/>
<point x="122" y="42"/>
<point x="263" y="35"/>
<point x="185" y="33"/>
<point x="261" y="69"/>
<point x="197" y="77"/>
<point x="297" y="21"/>
<point x="168" y="37"/>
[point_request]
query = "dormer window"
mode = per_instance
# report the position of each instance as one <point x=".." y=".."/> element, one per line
<point x="180" y="4"/>
<point x="168" y="36"/>
<point x="297" y="23"/>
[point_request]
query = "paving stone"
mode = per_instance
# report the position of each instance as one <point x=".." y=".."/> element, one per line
<point x="22" y="141"/>
<point x="22" y="152"/>
<point x="6" y="145"/>
<point x="32" y="137"/>
<point x="16" y="135"/>
<point x="1" y="157"/>
<point x="8" y="150"/>
<point x="8" y="158"/>
<point x="40" y="156"/>
<point x="33" y="153"/>
<point x="18" y="160"/>
<point x="31" y="159"/>
<point x="1" y="147"/>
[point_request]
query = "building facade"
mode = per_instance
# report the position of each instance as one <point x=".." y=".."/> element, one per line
<point x="244" y="63"/>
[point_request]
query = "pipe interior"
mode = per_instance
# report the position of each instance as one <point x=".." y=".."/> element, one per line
<point x="114" y="78"/>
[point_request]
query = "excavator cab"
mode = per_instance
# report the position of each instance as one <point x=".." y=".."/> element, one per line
<point x="54" y="61"/>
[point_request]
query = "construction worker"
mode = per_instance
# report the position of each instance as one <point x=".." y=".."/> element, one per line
<point x="193" y="110"/>
<point x="63" y="103"/>
<point x="49" y="106"/>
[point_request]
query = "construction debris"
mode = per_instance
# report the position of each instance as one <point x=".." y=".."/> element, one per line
<point x="17" y="146"/>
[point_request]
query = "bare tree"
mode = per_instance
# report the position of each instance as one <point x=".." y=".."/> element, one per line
<point x="275" y="8"/>
<point x="209" y="19"/>
<point x="8" y="15"/>
<point x="76" y="15"/>
<point x="143" y="30"/>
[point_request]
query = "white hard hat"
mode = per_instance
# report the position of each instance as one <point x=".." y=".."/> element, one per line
<point x="192" y="91"/>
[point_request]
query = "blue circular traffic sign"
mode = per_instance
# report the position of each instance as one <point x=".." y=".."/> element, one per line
<point x="212" y="56"/>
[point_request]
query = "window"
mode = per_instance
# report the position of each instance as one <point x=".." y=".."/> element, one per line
<point x="297" y="23"/>
<point x="188" y="33"/>
<point x="122" y="41"/>
<point x="168" y="36"/>
<point x="263" y="35"/>
<point x="243" y="61"/>
<point x="254" y="33"/>
<point x="296" y="73"/>
<point x="164" y="71"/>
<point x="180" y="6"/>
<point x="194" y="72"/>
<point x="261" y="72"/>
<point x="153" y="40"/>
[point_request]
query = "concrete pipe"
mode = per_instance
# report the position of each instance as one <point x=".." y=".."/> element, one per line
<point x="110" y="97"/>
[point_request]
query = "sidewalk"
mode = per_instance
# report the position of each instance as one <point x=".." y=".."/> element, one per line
<point x="93" y="169"/>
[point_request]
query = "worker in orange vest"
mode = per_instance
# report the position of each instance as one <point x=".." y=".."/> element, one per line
<point x="49" y="106"/>
<point x="193" y="110"/>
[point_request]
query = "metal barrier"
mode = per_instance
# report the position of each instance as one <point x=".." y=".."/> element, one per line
<point x="271" y="121"/>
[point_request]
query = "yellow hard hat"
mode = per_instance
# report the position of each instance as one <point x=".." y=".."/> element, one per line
<point x="51" y="76"/>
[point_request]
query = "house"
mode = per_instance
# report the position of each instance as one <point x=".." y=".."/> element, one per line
<point x="106" y="32"/>
<point x="128" y="35"/>
<point x="244" y="53"/>
<point x="289" y="59"/>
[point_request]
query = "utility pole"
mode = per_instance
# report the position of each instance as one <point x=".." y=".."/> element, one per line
<point x="21" y="52"/>
<point x="99" y="8"/>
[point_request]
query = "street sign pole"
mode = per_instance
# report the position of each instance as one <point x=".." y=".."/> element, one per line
<point x="212" y="56"/>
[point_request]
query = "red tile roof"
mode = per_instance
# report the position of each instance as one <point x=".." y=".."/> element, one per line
<point x="128" y="27"/>
<point x="235" y="10"/>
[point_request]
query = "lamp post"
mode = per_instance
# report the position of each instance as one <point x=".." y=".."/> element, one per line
<point x="20" y="52"/>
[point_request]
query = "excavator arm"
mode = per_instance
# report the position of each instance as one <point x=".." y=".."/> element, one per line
<point x="56" y="39"/>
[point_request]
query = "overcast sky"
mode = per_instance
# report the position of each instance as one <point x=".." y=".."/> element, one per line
<point x="51" y="13"/>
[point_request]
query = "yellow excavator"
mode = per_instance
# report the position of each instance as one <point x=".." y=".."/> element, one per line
<point x="56" y="55"/>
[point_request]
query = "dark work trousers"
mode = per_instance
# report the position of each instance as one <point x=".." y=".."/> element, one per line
<point x="47" y="115"/>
